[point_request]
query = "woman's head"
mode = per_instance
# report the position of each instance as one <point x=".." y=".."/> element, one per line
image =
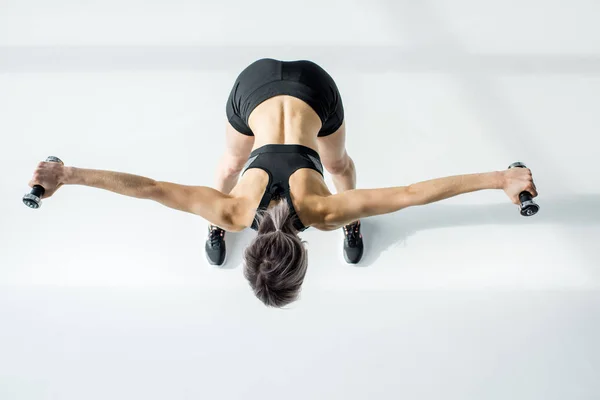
<point x="275" y="261"/>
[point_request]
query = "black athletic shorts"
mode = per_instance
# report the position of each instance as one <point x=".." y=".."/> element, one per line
<point x="268" y="78"/>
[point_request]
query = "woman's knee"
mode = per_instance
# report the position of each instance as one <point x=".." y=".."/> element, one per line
<point x="232" y="165"/>
<point x="338" y="166"/>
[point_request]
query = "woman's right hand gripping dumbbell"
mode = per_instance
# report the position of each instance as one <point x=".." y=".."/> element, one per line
<point x="50" y="176"/>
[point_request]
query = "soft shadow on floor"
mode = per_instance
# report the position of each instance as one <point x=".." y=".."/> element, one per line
<point x="236" y="243"/>
<point x="385" y="231"/>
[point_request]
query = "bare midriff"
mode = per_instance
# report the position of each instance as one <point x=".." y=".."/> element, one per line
<point x="284" y="120"/>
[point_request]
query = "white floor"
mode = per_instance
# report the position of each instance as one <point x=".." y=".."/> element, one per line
<point x="103" y="296"/>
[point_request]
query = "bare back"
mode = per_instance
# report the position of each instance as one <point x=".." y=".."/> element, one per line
<point x="284" y="120"/>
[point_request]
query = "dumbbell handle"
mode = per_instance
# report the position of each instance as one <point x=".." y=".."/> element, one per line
<point x="525" y="196"/>
<point x="33" y="199"/>
<point x="37" y="191"/>
<point x="528" y="206"/>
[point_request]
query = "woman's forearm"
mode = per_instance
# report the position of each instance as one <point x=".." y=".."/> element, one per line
<point x="442" y="188"/>
<point x="118" y="182"/>
<point x="351" y="205"/>
<point x="386" y="200"/>
<point x="219" y="209"/>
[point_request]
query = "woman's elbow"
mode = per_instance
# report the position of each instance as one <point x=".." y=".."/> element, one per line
<point x="231" y="216"/>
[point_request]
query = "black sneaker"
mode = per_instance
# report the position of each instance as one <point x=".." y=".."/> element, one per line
<point x="353" y="243"/>
<point x="215" y="245"/>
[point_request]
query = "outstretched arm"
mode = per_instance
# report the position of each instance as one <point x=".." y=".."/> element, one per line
<point x="343" y="208"/>
<point x="206" y="202"/>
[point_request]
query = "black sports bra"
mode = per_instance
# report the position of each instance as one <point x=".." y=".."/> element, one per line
<point x="280" y="161"/>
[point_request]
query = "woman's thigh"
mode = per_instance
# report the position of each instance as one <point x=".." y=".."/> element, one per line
<point x="332" y="149"/>
<point x="237" y="145"/>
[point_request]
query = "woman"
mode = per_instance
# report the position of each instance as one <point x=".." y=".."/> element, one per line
<point x="285" y="123"/>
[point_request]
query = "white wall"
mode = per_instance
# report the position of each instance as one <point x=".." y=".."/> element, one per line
<point x="103" y="296"/>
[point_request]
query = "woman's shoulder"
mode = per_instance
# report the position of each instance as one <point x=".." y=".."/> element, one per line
<point x="311" y="210"/>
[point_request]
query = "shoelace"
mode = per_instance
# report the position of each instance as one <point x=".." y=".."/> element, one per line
<point x="215" y="235"/>
<point x="352" y="232"/>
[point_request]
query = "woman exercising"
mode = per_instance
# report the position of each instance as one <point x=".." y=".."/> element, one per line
<point x="286" y="122"/>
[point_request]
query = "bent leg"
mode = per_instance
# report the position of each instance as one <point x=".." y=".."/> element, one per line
<point x="335" y="158"/>
<point x="237" y="150"/>
<point x="337" y="162"/>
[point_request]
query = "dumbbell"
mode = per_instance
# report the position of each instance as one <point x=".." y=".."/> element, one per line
<point x="528" y="206"/>
<point x="33" y="199"/>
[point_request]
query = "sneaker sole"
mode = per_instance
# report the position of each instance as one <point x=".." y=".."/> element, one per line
<point x="215" y="264"/>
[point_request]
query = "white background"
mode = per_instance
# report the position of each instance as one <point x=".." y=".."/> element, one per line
<point x="103" y="296"/>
